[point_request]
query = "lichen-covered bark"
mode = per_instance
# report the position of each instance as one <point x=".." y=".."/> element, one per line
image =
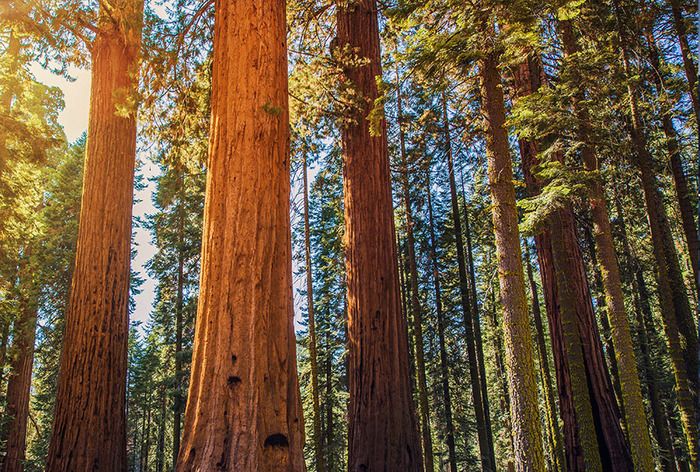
<point x="554" y="435"/>
<point x="89" y="431"/>
<point x="524" y="409"/>
<point x="626" y="363"/>
<point x="382" y="424"/>
<point x="588" y="409"/>
<point x="679" y="325"/>
<point x="243" y="410"/>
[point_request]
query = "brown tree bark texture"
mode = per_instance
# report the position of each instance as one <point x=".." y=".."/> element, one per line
<point x="382" y="430"/>
<point x="89" y="431"/>
<point x="18" y="387"/>
<point x="243" y="411"/>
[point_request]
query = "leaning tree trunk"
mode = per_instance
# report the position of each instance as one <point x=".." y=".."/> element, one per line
<point x="89" y="429"/>
<point x="524" y="406"/>
<point x="675" y="308"/>
<point x="243" y="410"/>
<point x="630" y="386"/>
<point x="20" y="378"/>
<point x="382" y="423"/>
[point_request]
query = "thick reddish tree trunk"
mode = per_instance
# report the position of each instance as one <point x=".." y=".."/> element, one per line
<point x="89" y="431"/>
<point x="243" y="410"/>
<point x="382" y="430"/>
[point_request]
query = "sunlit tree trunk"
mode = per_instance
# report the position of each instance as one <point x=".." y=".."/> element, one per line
<point x="554" y="434"/>
<point x="243" y="409"/>
<point x="382" y="424"/>
<point x="524" y="406"/>
<point x="89" y="431"/>
<point x="592" y="432"/>
<point x="643" y="317"/>
<point x="12" y="54"/>
<point x="675" y="308"/>
<point x="629" y="384"/>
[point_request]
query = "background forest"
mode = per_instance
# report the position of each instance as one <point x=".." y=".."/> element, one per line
<point x="584" y="296"/>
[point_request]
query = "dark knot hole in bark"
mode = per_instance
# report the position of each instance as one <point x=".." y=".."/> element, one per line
<point x="277" y="440"/>
<point x="234" y="358"/>
<point x="233" y="381"/>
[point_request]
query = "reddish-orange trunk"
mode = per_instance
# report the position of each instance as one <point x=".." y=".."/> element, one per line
<point x="243" y="411"/>
<point x="383" y="433"/>
<point x="89" y="427"/>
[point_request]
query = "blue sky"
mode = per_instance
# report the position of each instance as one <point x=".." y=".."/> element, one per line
<point x="74" y="119"/>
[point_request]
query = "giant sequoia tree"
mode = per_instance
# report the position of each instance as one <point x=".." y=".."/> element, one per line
<point x="243" y="410"/>
<point x="89" y="427"/>
<point x="383" y="430"/>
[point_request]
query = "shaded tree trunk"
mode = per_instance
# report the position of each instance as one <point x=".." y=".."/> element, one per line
<point x="416" y="309"/>
<point x="524" y="406"/>
<point x="554" y="433"/>
<point x="160" y="447"/>
<point x="444" y="363"/>
<point x="691" y="73"/>
<point x="313" y="355"/>
<point x="483" y="430"/>
<point x="683" y="192"/>
<point x="179" y="300"/>
<point x="382" y="423"/>
<point x="20" y="378"/>
<point x="476" y="319"/>
<point x="243" y="409"/>
<point x="89" y="430"/>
